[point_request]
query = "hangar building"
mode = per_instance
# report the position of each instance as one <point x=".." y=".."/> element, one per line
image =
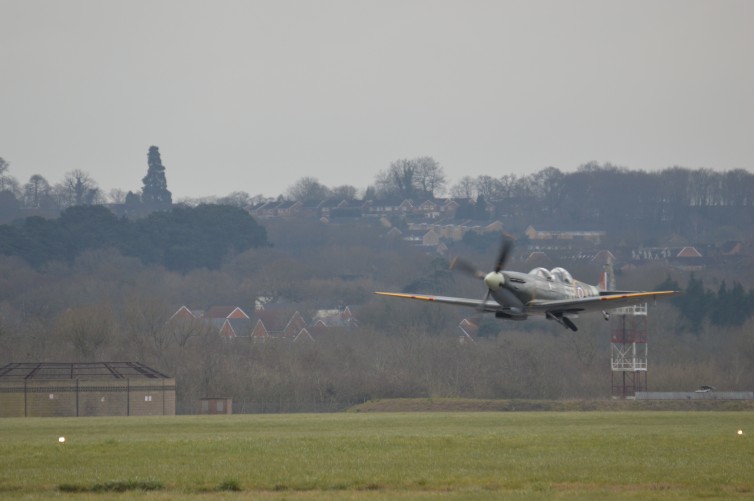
<point x="85" y="389"/>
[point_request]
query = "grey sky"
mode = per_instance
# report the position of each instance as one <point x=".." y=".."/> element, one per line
<point x="251" y="96"/>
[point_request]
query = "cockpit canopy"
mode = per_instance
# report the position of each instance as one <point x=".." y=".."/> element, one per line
<point x="562" y="275"/>
<point x="559" y="274"/>
<point x="541" y="272"/>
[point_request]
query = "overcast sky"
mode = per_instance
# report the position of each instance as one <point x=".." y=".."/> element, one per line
<point x="253" y="95"/>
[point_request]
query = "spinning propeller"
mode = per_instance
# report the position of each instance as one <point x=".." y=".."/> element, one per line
<point x="493" y="280"/>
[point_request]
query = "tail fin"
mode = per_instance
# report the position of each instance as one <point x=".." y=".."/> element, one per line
<point x="603" y="281"/>
<point x="607" y="279"/>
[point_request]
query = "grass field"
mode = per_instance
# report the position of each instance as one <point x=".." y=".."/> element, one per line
<point x="453" y="455"/>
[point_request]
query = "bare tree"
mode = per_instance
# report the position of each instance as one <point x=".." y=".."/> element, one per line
<point x="78" y="188"/>
<point x="117" y="196"/>
<point x="145" y="318"/>
<point x="36" y="191"/>
<point x="344" y="192"/>
<point x="464" y="188"/>
<point x="411" y="178"/>
<point x="398" y="180"/>
<point x="308" y="189"/>
<point x="87" y="328"/>
<point x="8" y="182"/>
<point x="237" y="199"/>
<point x="430" y="177"/>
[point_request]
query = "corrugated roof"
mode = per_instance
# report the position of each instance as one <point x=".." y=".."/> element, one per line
<point x="77" y="370"/>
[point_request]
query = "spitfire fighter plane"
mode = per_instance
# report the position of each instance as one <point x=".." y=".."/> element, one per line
<point x="553" y="294"/>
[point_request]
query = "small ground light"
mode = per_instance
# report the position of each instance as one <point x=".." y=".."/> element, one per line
<point x="740" y="432"/>
<point x="61" y="440"/>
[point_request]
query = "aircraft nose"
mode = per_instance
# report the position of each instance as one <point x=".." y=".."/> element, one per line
<point x="494" y="280"/>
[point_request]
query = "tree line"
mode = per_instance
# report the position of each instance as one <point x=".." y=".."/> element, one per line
<point x="700" y="205"/>
<point x="79" y="188"/>
<point x="725" y="307"/>
<point x="182" y="239"/>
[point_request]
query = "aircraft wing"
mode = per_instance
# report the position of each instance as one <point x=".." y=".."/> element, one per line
<point x="489" y="305"/>
<point x="594" y="303"/>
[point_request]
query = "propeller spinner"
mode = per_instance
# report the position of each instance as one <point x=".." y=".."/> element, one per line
<point x="494" y="280"/>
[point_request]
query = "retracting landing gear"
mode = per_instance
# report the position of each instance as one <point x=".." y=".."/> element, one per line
<point x="562" y="320"/>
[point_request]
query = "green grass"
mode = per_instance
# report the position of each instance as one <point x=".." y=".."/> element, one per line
<point x="458" y="455"/>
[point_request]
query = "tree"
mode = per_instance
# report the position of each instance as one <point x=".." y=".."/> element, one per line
<point x="236" y="199"/>
<point x="430" y="177"/>
<point x="489" y="187"/>
<point x="87" y="328"/>
<point x="90" y="227"/>
<point x="308" y="189"/>
<point x="8" y="182"/>
<point x="10" y="192"/>
<point x="77" y="188"/>
<point x="465" y="188"/>
<point x="117" y="196"/>
<point x="194" y="237"/>
<point x="396" y="181"/>
<point x="8" y="205"/>
<point x="132" y="199"/>
<point x="411" y="178"/>
<point x="730" y="308"/>
<point x="155" y="190"/>
<point x="344" y="192"/>
<point x="36" y="191"/>
<point x="694" y="303"/>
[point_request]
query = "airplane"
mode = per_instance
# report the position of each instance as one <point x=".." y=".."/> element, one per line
<point x="553" y="294"/>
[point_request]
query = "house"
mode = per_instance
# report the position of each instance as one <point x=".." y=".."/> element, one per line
<point x="231" y="321"/>
<point x="260" y="334"/>
<point x="394" y="233"/>
<point x="183" y="313"/>
<point x="288" y="208"/>
<point x="688" y="258"/>
<point x="335" y="318"/>
<point x="603" y="258"/>
<point x="275" y="325"/>
<point x="350" y="209"/>
<point x="687" y="252"/>
<point x="310" y="209"/>
<point x="228" y="321"/>
<point x="271" y="323"/>
<point x="431" y="238"/>
<point x="449" y="207"/>
<point x="432" y="234"/>
<point x="327" y="206"/>
<point x="379" y="208"/>
<point x="429" y="209"/>
<point x="592" y="236"/>
<point x="538" y="259"/>
<point x="263" y="209"/>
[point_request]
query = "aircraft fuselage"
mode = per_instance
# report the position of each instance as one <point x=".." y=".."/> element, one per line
<point x="516" y="290"/>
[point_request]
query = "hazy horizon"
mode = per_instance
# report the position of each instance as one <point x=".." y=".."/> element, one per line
<point x="252" y="96"/>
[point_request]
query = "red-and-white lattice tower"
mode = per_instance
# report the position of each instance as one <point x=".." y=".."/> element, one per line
<point x="628" y="350"/>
